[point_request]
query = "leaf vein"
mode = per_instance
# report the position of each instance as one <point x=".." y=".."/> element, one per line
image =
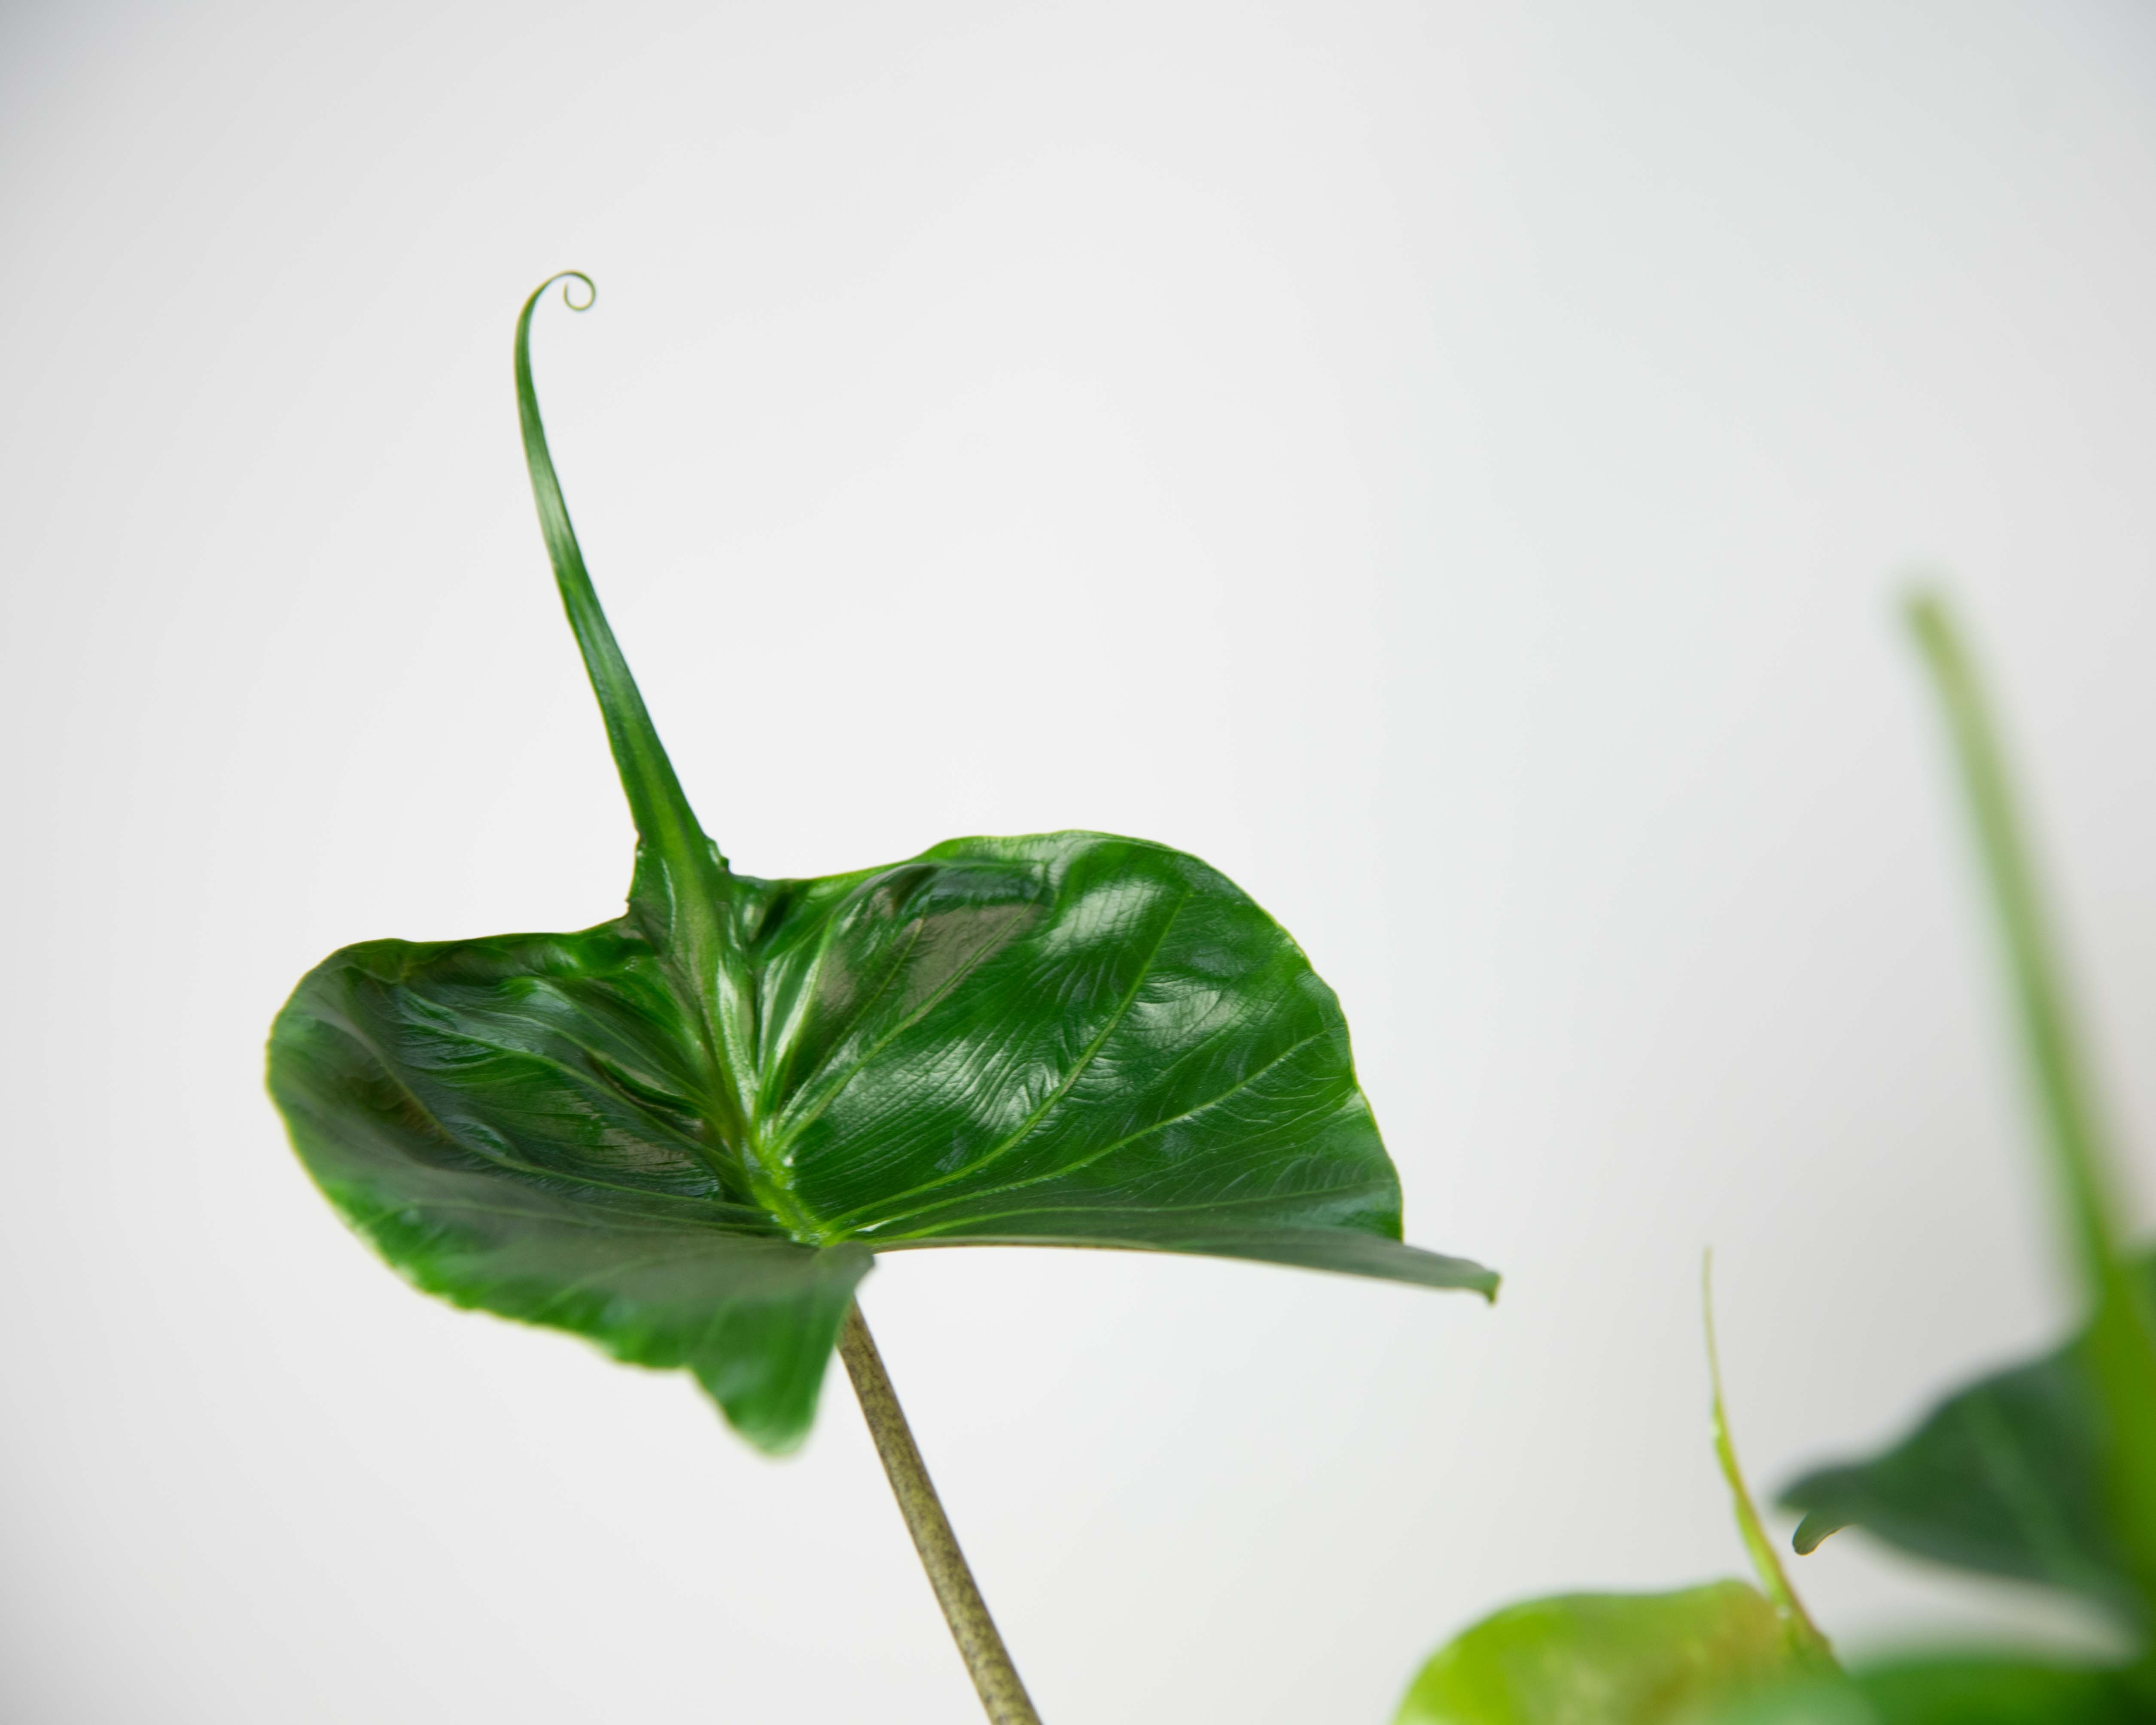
<point x="1085" y="1060"/>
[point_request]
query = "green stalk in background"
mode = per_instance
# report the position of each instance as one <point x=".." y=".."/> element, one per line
<point x="2122" y="1342"/>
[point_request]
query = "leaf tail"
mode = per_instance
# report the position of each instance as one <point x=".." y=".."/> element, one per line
<point x="691" y="876"/>
<point x="1806" y="1641"/>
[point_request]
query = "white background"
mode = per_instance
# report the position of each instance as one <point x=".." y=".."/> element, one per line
<point x="1451" y="466"/>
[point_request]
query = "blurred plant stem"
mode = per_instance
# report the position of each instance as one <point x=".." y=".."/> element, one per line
<point x="1811" y="1648"/>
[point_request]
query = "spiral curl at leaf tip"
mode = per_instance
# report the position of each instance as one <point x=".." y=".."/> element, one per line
<point x="568" y="299"/>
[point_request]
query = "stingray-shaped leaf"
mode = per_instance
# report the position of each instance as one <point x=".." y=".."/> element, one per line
<point x="685" y="1132"/>
<point x="2005" y="1477"/>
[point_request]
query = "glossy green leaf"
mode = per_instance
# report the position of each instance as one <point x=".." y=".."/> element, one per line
<point x="1966" y="1689"/>
<point x="683" y="1133"/>
<point x="2005" y="1477"/>
<point x="1607" y="1658"/>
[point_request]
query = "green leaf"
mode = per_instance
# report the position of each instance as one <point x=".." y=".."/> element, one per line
<point x="1998" y="1690"/>
<point x="1607" y="1658"/>
<point x="682" y="1133"/>
<point x="2005" y="1477"/>
<point x="1966" y="1689"/>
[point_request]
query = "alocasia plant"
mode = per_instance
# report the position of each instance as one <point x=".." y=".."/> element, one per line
<point x="685" y="1133"/>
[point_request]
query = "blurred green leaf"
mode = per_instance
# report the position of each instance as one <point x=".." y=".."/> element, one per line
<point x="2005" y="1477"/>
<point x="682" y="1133"/>
<point x="1971" y="1689"/>
<point x="1635" y="1659"/>
<point x="1607" y="1658"/>
<point x="1979" y="1689"/>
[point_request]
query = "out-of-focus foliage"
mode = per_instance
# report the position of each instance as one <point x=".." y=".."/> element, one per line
<point x="2046" y="1472"/>
<point x="2005" y="1477"/>
<point x="2116" y="1354"/>
<point x="1976" y="1689"/>
<point x="1606" y="1659"/>
<point x="1635" y="1659"/>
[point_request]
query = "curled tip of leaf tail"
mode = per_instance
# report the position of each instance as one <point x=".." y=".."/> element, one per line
<point x="1813" y="1531"/>
<point x="687" y="876"/>
<point x="1804" y="1639"/>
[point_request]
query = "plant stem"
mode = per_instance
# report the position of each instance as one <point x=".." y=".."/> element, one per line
<point x="987" y="1661"/>
<point x="1811" y="1648"/>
